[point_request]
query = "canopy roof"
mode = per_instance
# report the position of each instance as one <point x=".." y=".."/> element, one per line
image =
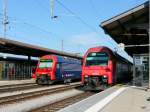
<point x="130" y="28"/>
<point x="20" y="48"/>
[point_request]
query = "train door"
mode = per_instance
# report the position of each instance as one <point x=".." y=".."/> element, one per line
<point x="59" y="71"/>
<point x="118" y="70"/>
<point x="67" y="72"/>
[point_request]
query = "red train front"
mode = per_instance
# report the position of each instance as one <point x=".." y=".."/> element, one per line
<point x="100" y="68"/>
<point x="45" y="71"/>
<point x="53" y="68"/>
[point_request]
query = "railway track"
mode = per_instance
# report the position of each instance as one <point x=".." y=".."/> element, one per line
<point x="34" y="94"/>
<point x="58" y="105"/>
<point x="18" y="87"/>
<point x="62" y="103"/>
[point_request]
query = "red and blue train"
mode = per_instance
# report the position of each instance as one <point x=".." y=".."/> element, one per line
<point x="103" y="67"/>
<point x="53" y="68"/>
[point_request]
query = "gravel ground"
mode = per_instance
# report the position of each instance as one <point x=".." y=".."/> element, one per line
<point x="38" y="102"/>
<point x="35" y="89"/>
<point x="27" y="91"/>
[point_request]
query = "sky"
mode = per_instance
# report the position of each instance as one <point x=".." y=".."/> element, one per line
<point x="77" y="23"/>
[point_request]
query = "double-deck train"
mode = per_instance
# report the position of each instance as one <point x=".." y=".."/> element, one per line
<point x="53" y="68"/>
<point x="103" y="67"/>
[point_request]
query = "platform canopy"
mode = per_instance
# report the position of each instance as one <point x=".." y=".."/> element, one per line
<point x="130" y="28"/>
<point x="20" y="48"/>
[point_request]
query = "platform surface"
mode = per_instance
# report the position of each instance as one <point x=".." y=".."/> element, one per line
<point x="115" y="99"/>
<point x="12" y="82"/>
<point x="131" y="100"/>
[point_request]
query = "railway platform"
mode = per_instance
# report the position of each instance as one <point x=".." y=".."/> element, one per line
<point x="114" y="99"/>
<point x="14" y="82"/>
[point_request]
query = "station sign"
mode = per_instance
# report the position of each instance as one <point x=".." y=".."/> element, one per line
<point x="138" y="60"/>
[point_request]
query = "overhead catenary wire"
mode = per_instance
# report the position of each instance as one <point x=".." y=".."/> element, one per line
<point x="79" y="18"/>
<point x="48" y="11"/>
<point x="41" y="5"/>
<point x="72" y="13"/>
<point x="117" y="48"/>
<point x="94" y="10"/>
<point x="32" y="25"/>
<point x="14" y="20"/>
<point x="76" y="16"/>
<point x="18" y="21"/>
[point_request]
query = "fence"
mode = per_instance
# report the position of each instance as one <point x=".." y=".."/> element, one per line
<point x="16" y="70"/>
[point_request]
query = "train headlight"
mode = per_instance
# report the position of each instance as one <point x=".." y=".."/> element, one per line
<point x="104" y="78"/>
<point x="86" y="76"/>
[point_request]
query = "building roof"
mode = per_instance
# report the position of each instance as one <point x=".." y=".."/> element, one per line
<point x="130" y="28"/>
<point x="20" y="48"/>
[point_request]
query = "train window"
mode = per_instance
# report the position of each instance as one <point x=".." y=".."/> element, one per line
<point x="93" y="54"/>
<point x="58" y="66"/>
<point x="45" y="63"/>
<point x="97" y="58"/>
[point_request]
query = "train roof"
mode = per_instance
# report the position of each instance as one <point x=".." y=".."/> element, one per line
<point x="101" y="48"/>
<point x="67" y="59"/>
<point x="64" y="59"/>
<point x="114" y="53"/>
<point x="121" y="58"/>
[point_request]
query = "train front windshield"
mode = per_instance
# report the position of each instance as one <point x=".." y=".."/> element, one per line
<point x="46" y="63"/>
<point x="97" y="59"/>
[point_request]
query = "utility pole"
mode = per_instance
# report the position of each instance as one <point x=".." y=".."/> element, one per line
<point x="62" y="45"/>
<point x="52" y="9"/>
<point x="5" y="18"/>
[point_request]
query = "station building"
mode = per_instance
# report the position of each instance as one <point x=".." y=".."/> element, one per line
<point x="12" y="68"/>
<point x="18" y="68"/>
<point x="131" y="29"/>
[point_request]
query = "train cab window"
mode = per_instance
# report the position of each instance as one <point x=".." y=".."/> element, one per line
<point x="97" y="58"/>
<point x="46" y="63"/>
